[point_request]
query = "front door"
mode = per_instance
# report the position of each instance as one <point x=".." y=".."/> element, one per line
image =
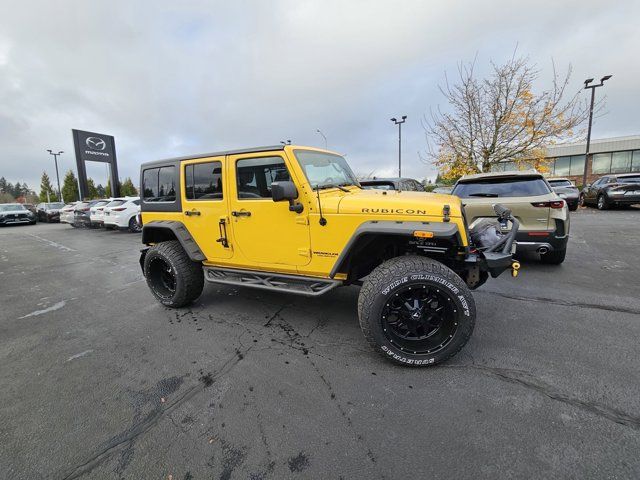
<point x="204" y="206"/>
<point x="265" y="231"/>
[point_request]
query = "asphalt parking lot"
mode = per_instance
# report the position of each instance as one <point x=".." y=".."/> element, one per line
<point x="100" y="381"/>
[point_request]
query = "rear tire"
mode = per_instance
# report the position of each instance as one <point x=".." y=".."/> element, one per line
<point x="174" y="279"/>
<point x="554" y="258"/>
<point x="134" y="226"/>
<point x="603" y="204"/>
<point x="415" y="311"/>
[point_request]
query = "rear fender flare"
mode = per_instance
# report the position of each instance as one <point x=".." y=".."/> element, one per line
<point x="162" y="230"/>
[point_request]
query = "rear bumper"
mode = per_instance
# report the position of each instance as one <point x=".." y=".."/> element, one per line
<point x="540" y="244"/>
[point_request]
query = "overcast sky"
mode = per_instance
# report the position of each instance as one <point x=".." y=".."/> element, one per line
<point x="174" y="78"/>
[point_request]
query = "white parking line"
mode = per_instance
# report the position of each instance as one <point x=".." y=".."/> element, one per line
<point x="52" y="243"/>
<point x="78" y="355"/>
<point x="52" y="308"/>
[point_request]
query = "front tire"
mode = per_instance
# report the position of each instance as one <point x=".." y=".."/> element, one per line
<point x="415" y="311"/>
<point x="174" y="279"/>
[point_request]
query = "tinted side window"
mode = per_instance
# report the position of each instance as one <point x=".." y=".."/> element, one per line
<point x="203" y="181"/>
<point x="158" y="184"/>
<point x="255" y="176"/>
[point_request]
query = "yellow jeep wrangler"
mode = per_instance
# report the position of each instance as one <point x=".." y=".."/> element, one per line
<point x="295" y="219"/>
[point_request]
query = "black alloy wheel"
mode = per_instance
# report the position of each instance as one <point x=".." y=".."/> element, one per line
<point x="419" y="319"/>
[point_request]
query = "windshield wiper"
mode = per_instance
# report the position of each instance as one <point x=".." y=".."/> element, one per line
<point x="330" y="185"/>
<point x="484" y="195"/>
<point x="349" y="184"/>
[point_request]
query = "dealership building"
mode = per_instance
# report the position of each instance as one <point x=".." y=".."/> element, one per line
<point x="606" y="156"/>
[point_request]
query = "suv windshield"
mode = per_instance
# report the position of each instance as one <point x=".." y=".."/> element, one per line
<point x="11" y="207"/>
<point x="502" y="187"/>
<point x="325" y="170"/>
<point x="560" y="183"/>
<point x="115" y="203"/>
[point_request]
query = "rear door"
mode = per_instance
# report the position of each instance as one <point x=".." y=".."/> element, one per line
<point x="527" y="197"/>
<point x="204" y="205"/>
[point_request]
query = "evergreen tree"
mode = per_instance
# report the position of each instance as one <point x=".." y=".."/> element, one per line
<point x="3" y="185"/>
<point x="127" y="188"/>
<point x="93" y="192"/>
<point x="16" y="190"/>
<point x="70" y="187"/>
<point x="46" y="189"/>
<point x="101" y="191"/>
<point x="107" y="189"/>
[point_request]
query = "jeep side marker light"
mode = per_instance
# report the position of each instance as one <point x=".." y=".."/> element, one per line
<point x="422" y="234"/>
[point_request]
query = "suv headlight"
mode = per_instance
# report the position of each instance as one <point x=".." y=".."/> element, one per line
<point x="562" y="195"/>
<point x="616" y="192"/>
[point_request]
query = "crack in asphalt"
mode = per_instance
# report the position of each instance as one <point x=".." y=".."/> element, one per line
<point x="564" y="303"/>
<point x="152" y="419"/>
<point x="527" y="380"/>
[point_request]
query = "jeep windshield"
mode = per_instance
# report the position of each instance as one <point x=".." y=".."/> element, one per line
<point x="325" y="170"/>
<point x="502" y="187"/>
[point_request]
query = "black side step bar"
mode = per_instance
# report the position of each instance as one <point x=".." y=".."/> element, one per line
<point x="279" y="282"/>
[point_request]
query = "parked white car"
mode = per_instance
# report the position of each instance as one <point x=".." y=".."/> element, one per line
<point x="96" y="212"/>
<point x="122" y="213"/>
<point x="66" y="213"/>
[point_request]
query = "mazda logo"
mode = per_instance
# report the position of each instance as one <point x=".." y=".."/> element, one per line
<point x="95" y="143"/>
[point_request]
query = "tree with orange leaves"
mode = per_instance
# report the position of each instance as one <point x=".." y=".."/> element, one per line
<point x="500" y="118"/>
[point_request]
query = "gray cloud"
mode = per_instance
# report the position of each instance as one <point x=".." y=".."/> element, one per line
<point x="172" y="78"/>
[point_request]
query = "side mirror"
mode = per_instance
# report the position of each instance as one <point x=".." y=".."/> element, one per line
<point x="286" y="191"/>
<point x="283" y="191"/>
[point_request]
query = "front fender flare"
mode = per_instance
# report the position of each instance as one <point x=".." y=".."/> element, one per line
<point x="447" y="230"/>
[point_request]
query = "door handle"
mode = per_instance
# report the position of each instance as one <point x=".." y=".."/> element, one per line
<point x="194" y="212"/>
<point x="242" y="213"/>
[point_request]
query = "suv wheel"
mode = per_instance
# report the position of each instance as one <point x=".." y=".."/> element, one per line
<point x="581" y="200"/>
<point x="173" y="278"/>
<point x="602" y="202"/>
<point x="554" y="258"/>
<point x="416" y="311"/>
<point x="134" y="226"/>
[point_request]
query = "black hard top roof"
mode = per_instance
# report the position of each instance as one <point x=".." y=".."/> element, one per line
<point x="267" y="148"/>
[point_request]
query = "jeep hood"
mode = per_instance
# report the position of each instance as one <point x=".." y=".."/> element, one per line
<point x="395" y="203"/>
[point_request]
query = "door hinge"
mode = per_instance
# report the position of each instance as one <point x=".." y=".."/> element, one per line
<point x="302" y="220"/>
<point x="304" y="252"/>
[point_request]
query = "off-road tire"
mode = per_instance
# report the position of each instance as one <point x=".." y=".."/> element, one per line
<point x="398" y="274"/>
<point x="188" y="275"/>
<point x="554" y="258"/>
<point x="602" y="202"/>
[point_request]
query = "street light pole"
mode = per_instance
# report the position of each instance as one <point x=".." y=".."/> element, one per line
<point x="55" y="159"/>
<point x="323" y="136"/>
<point x="593" y="97"/>
<point x="399" y="123"/>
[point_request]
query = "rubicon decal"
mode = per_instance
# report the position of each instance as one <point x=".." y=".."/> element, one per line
<point x="395" y="211"/>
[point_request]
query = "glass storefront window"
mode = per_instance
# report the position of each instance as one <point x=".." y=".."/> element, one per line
<point x="577" y="165"/>
<point x="601" y="163"/>
<point x="635" y="163"/>
<point x="621" y="162"/>
<point x="563" y="166"/>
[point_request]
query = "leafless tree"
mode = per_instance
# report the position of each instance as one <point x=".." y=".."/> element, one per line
<point x="500" y="118"/>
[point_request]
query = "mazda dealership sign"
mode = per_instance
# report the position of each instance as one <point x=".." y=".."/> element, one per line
<point x="95" y="147"/>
